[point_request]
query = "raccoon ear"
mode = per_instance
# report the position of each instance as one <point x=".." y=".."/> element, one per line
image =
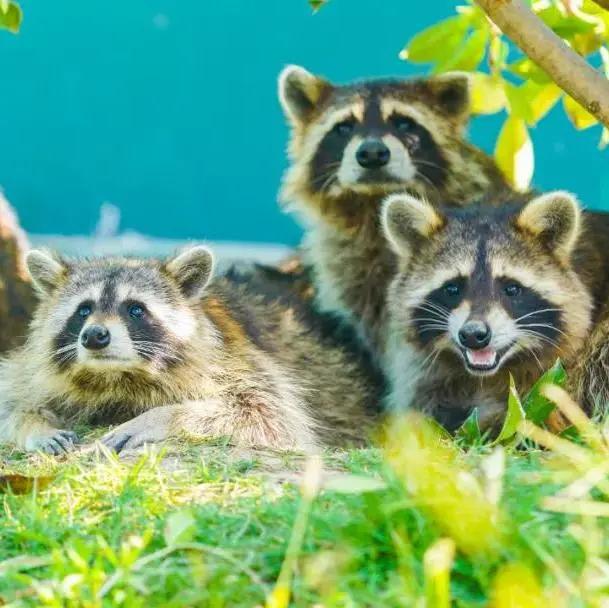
<point x="554" y="219"/>
<point x="46" y="270"/>
<point x="407" y="220"/>
<point x="299" y="92"/>
<point x="192" y="270"/>
<point x="451" y="92"/>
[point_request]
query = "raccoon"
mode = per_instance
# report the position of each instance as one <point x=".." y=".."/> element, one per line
<point x="350" y="147"/>
<point x="161" y="349"/>
<point x="481" y="293"/>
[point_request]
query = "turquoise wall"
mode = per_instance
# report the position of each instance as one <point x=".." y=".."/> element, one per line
<point x="167" y="109"/>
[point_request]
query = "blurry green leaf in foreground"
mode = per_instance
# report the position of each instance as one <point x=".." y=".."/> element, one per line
<point x="537" y="407"/>
<point x="179" y="528"/>
<point x="514" y="153"/>
<point x="467" y="56"/>
<point x="10" y="19"/>
<point x="434" y="474"/>
<point x="514" y="415"/>
<point x="470" y="429"/>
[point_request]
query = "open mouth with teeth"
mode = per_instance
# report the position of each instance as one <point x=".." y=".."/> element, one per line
<point x="484" y="361"/>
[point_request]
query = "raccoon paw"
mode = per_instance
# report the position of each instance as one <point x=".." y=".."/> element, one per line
<point x="56" y="442"/>
<point x="149" y="427"/>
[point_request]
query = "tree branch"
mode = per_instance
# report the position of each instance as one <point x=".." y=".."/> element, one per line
<point x="568" y="69"/>
<point x="602" y="3"/>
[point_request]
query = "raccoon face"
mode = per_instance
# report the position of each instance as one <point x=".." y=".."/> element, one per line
<point x="375" y="136"/>
<point x="487" y="286"/>
<point x="121" y="315"/>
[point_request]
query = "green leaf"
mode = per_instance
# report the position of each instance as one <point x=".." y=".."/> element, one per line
<point x="4" y="5"/>
<point x="514" y="153"/>
<point x="317" y="4"/>
<point x="514" y="416"/>
<point x="487" y="94"/>
<point x="468" y="56"/>
<point x="179" y="528"/>
<point x="11" y="18"/>
<point x="498" y="52"/>
<point x="438" y="41"/>
<point x="469" y="431"/>
<point x="536" y="406"/>
<point x="527" y="70"/>
<point x="519" y="101"/>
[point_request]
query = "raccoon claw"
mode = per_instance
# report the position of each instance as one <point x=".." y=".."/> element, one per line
<point x="149" y="427"/>
<point x="61" y="442"/>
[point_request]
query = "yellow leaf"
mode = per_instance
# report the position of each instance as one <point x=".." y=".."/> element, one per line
<point x="487" y="94"/>
<point x="4" y="6"/>
<point x="437" y="564"/>
<point x="516" y="586"/>
<point x="543" y="101"/>
<point x="578" y="115"/>
<point x="514" y="153"/>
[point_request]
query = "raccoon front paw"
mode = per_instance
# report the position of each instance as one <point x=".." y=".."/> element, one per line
<point x="149" y="427"/>
<point x="55" y="442"/>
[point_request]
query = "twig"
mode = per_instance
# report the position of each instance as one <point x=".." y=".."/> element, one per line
<point x="602" y="3"/>
<point x="568" y="69"/>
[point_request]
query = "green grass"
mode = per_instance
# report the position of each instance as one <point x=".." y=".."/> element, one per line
<point x="427" y="523"/>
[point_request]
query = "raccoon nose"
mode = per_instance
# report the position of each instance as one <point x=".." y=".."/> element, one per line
<point x="95" y="337"/>
<point x="475" y="335"/>
<point x="372" y="154"/>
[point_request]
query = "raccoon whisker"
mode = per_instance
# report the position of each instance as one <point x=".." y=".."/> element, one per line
<point x="437" y="329"/>
<point x="536" y="312"/>
<point x="427" y="320"/>
<point x="427" y="180"/>
<point x="429" y="164"/>
<point x="66" y="348"/>
<point x="546" y="325"/>
<point x="531" y="351"/>
<point x="435" y="308"/>
<point x="539" y="336"/>
<point x="432" y="327"/>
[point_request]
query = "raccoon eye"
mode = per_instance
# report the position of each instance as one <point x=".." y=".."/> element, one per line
<point x="512" y="290"/>
<point x="452" y="290"/>
<point x="136" y="311"/>
<point x="345" y="127"/>
<point x="404" y="124"/>
<point x="84" y="310"/>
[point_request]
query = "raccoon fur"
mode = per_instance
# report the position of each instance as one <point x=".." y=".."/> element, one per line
<point x="484" y="292"/>
<point x="351" y="146"/>
<point x="162" y="350"/>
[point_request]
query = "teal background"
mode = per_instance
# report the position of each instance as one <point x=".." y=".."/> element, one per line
<point x="167" y="109"/>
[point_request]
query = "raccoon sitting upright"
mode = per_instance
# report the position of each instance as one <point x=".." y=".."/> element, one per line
<point x="481" y="293"/>
<point x="351" y="146"/>
<point x="155" y="346"/>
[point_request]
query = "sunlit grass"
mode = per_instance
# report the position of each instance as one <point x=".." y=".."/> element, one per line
<point x="427" y="523"/>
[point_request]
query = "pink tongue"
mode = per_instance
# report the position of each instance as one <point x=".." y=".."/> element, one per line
<point x="486" y="356"/>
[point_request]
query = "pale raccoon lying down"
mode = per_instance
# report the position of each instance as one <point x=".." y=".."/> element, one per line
<point x="157" y="347"/>
<point x="482" y="292"/>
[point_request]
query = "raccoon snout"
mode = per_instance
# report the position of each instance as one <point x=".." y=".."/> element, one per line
<point x="95" y="337"/>
<point x="372" y="154"/>
<point x="475" y="335"/>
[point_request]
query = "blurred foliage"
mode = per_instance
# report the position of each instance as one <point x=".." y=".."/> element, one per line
<point x="505" y="80"/>
<point x="10" y="16"/>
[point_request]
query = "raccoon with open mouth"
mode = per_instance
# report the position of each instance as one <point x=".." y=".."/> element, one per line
<point x="482" y="292"/>
<point x="353" y="145"/>
<point x="160" y="348"/>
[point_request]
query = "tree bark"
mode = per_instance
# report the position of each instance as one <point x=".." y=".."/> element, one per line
<point x="17" y="298"/>
<point x="568" y="69"/>
<point x="602" y="3"/>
